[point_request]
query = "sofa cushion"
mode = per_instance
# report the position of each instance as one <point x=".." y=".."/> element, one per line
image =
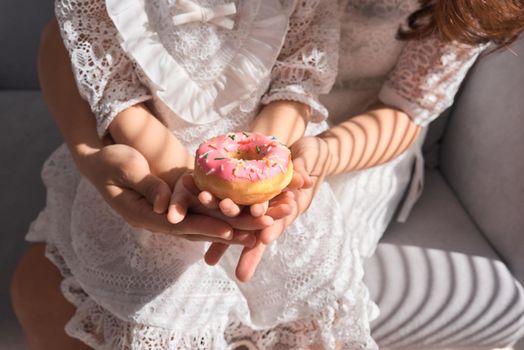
<point x="483" y="151"/>
<point x="28" y="137"/>
<point x="20" y="25"/>
<point x="433" y="141"/>
<point x="438" y="282"/>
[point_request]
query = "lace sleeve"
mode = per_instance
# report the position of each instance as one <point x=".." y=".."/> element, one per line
<point x="427" y="76"/>
<point x="105" y="76"/>
<point x="307" y="63"/>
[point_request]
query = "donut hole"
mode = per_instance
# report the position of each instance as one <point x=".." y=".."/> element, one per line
<point x="246" y="154"/>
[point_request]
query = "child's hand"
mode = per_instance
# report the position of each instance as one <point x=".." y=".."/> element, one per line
<point x="311" y="161"/>
<point x="185" y="197"/>
<point x="233" y="210"/>
<point x="228" y="211"/>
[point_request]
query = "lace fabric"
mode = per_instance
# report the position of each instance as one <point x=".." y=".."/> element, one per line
<point x="281" y="308"/>
<point x="97" y="56"/>
<point x="427" y="77"/>
<point x="126" y="283"/>
<point x="105" y="76"/>
<point x="307" y="62"/>
<point x="241" y="61"/>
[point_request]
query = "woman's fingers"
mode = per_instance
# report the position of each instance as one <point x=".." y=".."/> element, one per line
<point x="289" y="211"/>
<point x="136" y="210"/>
<point x="247" y="239"/>
<point x="273" y="232"/>
<point x="301" y="178"/>
<point x="297" y="181"/>
<point x="215" y="253"/>
<point x="135" y="174"/>
<point x="281" y="205"/>
<point x="156" y="191"/>
<point x="279" y="211"/>
<point x="249" y="260"/>
<point x="204" y="225"/>
<point x="247" y="222"/>
<point x="244" y="221"/>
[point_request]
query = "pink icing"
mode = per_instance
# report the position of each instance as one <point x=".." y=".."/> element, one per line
<point x="243" y="155"/>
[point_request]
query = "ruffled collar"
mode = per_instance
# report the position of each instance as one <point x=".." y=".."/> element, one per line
<point x="247" y="61"/>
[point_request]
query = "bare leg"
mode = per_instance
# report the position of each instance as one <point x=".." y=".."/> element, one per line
<point x="39" y="304"/>
<point x="35" y="287"/>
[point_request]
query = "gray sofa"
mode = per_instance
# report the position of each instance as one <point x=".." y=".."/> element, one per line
<point x="448" y="278"/>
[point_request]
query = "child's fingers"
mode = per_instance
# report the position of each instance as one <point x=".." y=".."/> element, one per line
<point x="248" y="262"/>
<point x="177" y="207"/>
<point x="208" y="200"/>
<point x="273" y="232"/>
<point x="259" y="209"/>
<point x="229" y="208"/>
<point x="162" y="199"/>
<point x="214" y="253"/>
<point x="189" y="184"/>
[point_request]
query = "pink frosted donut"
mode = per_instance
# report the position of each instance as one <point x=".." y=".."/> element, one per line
<point x="247" y="167"/>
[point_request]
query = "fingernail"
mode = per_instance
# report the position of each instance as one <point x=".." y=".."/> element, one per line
<point x="228" y="235"/>
<point x="156" y="209"/>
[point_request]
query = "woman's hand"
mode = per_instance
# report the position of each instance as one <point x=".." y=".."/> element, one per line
<point x="311" y="161"/>
<point x="186" y="198"/>
<point x="123" y="177"/>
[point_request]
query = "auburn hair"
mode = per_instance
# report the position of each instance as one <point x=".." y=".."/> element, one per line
<point x="467" y="21"/>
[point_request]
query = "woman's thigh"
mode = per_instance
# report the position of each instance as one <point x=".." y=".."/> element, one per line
<point x="39" y="304"/>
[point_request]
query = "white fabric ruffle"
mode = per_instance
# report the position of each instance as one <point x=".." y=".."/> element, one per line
<point x="251" y="62"/>
<point x="334" y="327"/>
<point x="339" y="312"/>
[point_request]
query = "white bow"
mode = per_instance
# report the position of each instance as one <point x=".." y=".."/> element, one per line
<point x="216" y="15"/>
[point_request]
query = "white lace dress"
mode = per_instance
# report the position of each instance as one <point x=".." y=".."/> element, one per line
<point x="134" y="289"/>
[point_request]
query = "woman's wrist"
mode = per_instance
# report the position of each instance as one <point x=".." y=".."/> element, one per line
<point x="332" y="147"/>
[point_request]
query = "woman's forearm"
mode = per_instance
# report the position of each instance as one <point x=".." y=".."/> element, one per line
<point x="369" y="139"/>
<point x="61" y="94"/>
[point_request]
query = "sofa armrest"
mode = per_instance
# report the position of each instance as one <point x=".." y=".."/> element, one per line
<point x="482" y="155"/>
